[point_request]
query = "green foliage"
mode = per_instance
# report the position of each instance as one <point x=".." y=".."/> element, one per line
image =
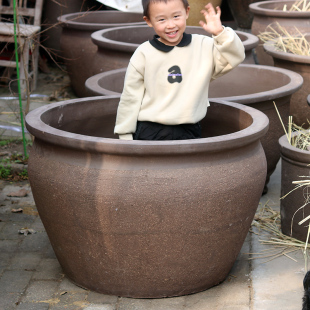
<point x="5" y="172"/>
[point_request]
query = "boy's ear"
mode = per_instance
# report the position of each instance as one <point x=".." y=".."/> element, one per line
<point x="147" y="21"/>
<point x="187" y="12"/>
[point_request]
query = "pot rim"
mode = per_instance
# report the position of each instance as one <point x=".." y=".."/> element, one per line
<point x="98" y="38"/>
<point x="49" y="134"/>
<point x="295" y="83"/>
<point x="257" y="9"/>
<point x="92" y="84"/>
<point x="292" y="152"/>
<point x="71" y="20"/>
<point x="270" y="49"/>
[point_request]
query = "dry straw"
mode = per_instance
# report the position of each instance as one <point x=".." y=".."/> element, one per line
<point x="285" y="41"/>
<point x="300" y="6"/>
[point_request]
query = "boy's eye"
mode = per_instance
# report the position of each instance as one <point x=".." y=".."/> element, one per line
<point x="176" y="16"/>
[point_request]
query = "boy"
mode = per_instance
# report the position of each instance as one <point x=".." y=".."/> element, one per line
<point x="166" y="85"/>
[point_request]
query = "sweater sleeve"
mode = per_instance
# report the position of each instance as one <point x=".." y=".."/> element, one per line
<point x="228" y="52"/>
<point x="130" y="103"/>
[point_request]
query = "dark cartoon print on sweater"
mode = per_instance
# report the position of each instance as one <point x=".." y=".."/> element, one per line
<point x="174" y="75"/>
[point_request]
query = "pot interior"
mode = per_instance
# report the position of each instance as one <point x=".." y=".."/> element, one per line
<point x="243" y="80"/>
<point x="247" y="80"/>
<point x="96" y="118"/>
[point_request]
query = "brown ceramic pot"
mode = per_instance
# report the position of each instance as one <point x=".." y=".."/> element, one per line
<point x="116" y="46"/>
<point x="295" y="164"/>
<point x="145" y="218"/>
<point x="268" y="12"/>
<point x="51" y="11"/>
<point x="254" y="85"/>
<point x="241" y="12"/>
<point x="77" y="48"/>
<point x="299" y="108"/>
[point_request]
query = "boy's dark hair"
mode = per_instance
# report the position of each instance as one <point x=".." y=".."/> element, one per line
<point x="146" y="4"/>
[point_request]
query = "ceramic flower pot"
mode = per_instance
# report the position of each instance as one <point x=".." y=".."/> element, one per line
<point x="295" y="164"/>
<point x="299" y="108"/>
<point x="268" y="12"/>
<point x="253" y="85"/>
<point x="195" y="7"/>
<point x="77" y="48"/>
<point x="145" y="218"/>
<point x="116" y="46"/>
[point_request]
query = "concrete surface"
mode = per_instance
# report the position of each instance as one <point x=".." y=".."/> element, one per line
<point x="31" y="278"/>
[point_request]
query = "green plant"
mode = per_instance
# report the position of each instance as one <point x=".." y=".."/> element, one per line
<point x="5" y="172"/>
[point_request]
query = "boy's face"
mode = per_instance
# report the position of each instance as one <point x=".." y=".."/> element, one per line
<point x="168" y="20"/>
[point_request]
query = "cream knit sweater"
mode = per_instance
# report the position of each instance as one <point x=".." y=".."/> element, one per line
<point x="169" y="85"/>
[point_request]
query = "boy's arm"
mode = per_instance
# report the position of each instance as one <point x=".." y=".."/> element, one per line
<point x="228" y="52"/>
<point x="228" y="48"/>
<point x="129" y="105"/>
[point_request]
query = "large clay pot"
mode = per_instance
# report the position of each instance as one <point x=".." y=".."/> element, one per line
<point x="241" y="12"/>
<point x="294" y="165"/>
<point x="77" y="48"/>
<point x="50" y="36"/>
<point x="254" y="85"/>
<point x="195" y="8"/>
<point x="299" y="108"/>
<point x="268" y="12"/>
<point x="116" y="46"/>
<point x="145" y="218"/>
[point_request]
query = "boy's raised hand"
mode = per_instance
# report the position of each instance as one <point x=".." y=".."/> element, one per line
<point x="213" y="23"/>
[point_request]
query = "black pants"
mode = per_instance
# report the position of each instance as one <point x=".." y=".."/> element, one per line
<point x="155" y="131"/>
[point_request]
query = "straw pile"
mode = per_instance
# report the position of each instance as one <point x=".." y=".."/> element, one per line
<point x="268" y="220"/>
<point x="300" y="6"/>
<point x="285" y="41"/>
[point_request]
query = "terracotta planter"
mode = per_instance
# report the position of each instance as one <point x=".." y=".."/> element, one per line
<point x="76" y="45"/>
<point x="254" y="85"/>
<point x="145" y="218"/>
<point x="195" y="7"/>
<point x="267" y="12"/>
<point x="116" y="46"/>
<point x="295" y="163"/>
<point x="299" y="108"/>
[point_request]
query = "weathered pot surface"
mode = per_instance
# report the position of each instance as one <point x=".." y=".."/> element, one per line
<point x="116" y="46"/>
<point x="145" y="218"/>
<point x="254" y="85"/>
<point x="77" y="48"/>
<point x="241" y="12"/>
<point x="295" y="164"/>
<point x="270" y="12"/>
<point x="299" y="108"/>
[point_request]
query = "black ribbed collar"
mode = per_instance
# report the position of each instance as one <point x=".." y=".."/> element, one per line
<point x="186" y="40"/>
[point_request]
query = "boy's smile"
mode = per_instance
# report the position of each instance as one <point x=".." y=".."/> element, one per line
<point x="168" y="20"/>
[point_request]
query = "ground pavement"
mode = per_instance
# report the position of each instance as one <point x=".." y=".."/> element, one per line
<point x="31" y="277"/>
